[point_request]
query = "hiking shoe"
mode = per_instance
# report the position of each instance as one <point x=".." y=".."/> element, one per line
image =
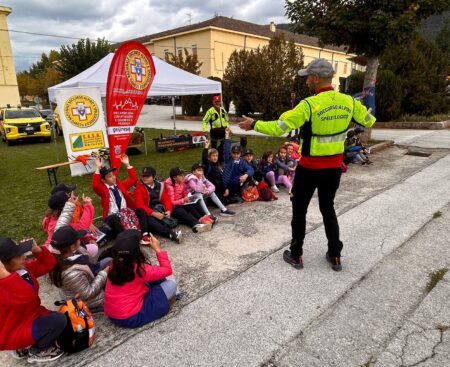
<point x="335" y="262"/>
<point x="45" y="355"/>
<point x="227" y="213"/>
<point x="198" y="228"/>
<point x="146" y="239"/>
<point x="175" y="236"/>
<point x="297" y="264"/>
<point x="20" y="353"/>
<point x="275" y="188"/>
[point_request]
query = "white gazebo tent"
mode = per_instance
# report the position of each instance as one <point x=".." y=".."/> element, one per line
<point x="169" y="81"/>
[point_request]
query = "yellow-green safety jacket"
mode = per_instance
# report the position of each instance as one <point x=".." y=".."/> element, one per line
<point x="215" y="119"/>
<point x="324" y="119"/>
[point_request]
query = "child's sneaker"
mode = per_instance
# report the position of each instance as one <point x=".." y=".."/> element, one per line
<point x="20" y="353"/>
<point x="296" y="263"/>
<point x="45" y="355"/>
<point x="175" y="236"/>
<point x="275" y="188"/>
<point x="198" y="228"/>
<point x="205" y="219"/>
<point x="146" y="239"/>
<point x="227" y="213"/>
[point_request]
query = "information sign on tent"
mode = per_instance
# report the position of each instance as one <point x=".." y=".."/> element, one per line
<point x="83" y="125"/>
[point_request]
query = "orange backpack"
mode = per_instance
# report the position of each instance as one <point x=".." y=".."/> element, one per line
<point x="79" y="333"/>
<point x="250" y="193"/>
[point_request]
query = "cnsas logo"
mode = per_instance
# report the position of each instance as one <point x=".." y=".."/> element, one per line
<point x="81" y="111"/>
<point x="137" y="69"/>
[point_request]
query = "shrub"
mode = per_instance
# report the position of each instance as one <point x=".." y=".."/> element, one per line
<point x="388" y="96"/>
<point x="355" y="83"/>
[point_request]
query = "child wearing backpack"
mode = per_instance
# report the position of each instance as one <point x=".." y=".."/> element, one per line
<point x="74" y="272"/>
<point x="118" y="206"/>
<point x="26" y="327"/>
<point x="136" y="292"/>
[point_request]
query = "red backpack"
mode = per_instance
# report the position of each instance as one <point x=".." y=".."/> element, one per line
<point x="265" y="193"/>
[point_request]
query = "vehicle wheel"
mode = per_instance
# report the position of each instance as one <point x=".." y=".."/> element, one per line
<point x="3" y="139"/>
<point x="9" y="142"/>
<point x="47" y="140"/>
<point x="58" y="131"/>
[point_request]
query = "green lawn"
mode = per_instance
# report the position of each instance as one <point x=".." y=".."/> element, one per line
<point x="24" y="191"/>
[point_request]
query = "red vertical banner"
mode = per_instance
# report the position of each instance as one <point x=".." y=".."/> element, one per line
<point x="130" y="76"/>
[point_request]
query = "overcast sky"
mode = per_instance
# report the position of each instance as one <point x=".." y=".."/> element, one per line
<point x="117" y="20"/>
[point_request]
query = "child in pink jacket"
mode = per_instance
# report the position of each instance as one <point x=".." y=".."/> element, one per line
<point x="62" y="206"/>
<point x="136" y="292"/>
<point x="201" y="188"/>
<point x="183" y="209"/>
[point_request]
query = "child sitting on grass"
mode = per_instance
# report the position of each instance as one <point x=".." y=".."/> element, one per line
<point x="26" y="327"/>
<point x="201" y="188"/>
<point x="136" y="292"/>
<point x="74" y="273"/>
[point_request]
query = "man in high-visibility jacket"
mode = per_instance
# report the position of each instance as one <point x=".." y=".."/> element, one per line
<point x="323" y="119"/>
<point x="217" y="118"/>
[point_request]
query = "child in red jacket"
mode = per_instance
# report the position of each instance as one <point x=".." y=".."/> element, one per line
<point x="117" y="203"/>
<point x="151" y="196"/>
<point x="26" y="327"/>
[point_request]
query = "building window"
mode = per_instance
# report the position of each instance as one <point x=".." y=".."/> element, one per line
<point x="179" y="52"/>
<point x="345" y="68"/>
<point x="166" y="54"/>
<point x="194" y="50"/>
<point x="336" y="67"/>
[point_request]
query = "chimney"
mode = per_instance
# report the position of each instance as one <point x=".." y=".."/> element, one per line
<point x="273" y="27"/>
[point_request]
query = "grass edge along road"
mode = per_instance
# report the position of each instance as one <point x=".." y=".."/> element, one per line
<point x="24" y="191"/>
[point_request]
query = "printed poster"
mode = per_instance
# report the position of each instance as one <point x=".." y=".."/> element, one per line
<point x="83" y="125"/>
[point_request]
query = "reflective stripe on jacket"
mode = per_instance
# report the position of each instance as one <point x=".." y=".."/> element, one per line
<point x="324" y="119"/>
<point x="215" y="119"/>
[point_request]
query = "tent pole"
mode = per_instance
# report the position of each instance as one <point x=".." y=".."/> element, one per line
<point x="54" y="130"/>
<point x="174" y="123"/>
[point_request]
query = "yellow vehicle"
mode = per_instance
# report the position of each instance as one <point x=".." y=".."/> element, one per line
<point x="18" y="123"/>
<point x="57" y="122"/>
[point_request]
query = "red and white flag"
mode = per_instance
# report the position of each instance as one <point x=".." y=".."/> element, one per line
<point x="130" y="76"/>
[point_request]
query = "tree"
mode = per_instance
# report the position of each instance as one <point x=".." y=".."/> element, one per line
<point x="389" y="96"/>
<point x="238" y="80"/>
<point x="443" y="40"/>
<point x="423" y="81"/>
<point x="366" y="27"/>
<point x="190" y="105"/>
<point x="78" y="57"/>
<point x="278" y="65"/>
<point x="40" y="76"/>
<point x="261" y="80"/>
